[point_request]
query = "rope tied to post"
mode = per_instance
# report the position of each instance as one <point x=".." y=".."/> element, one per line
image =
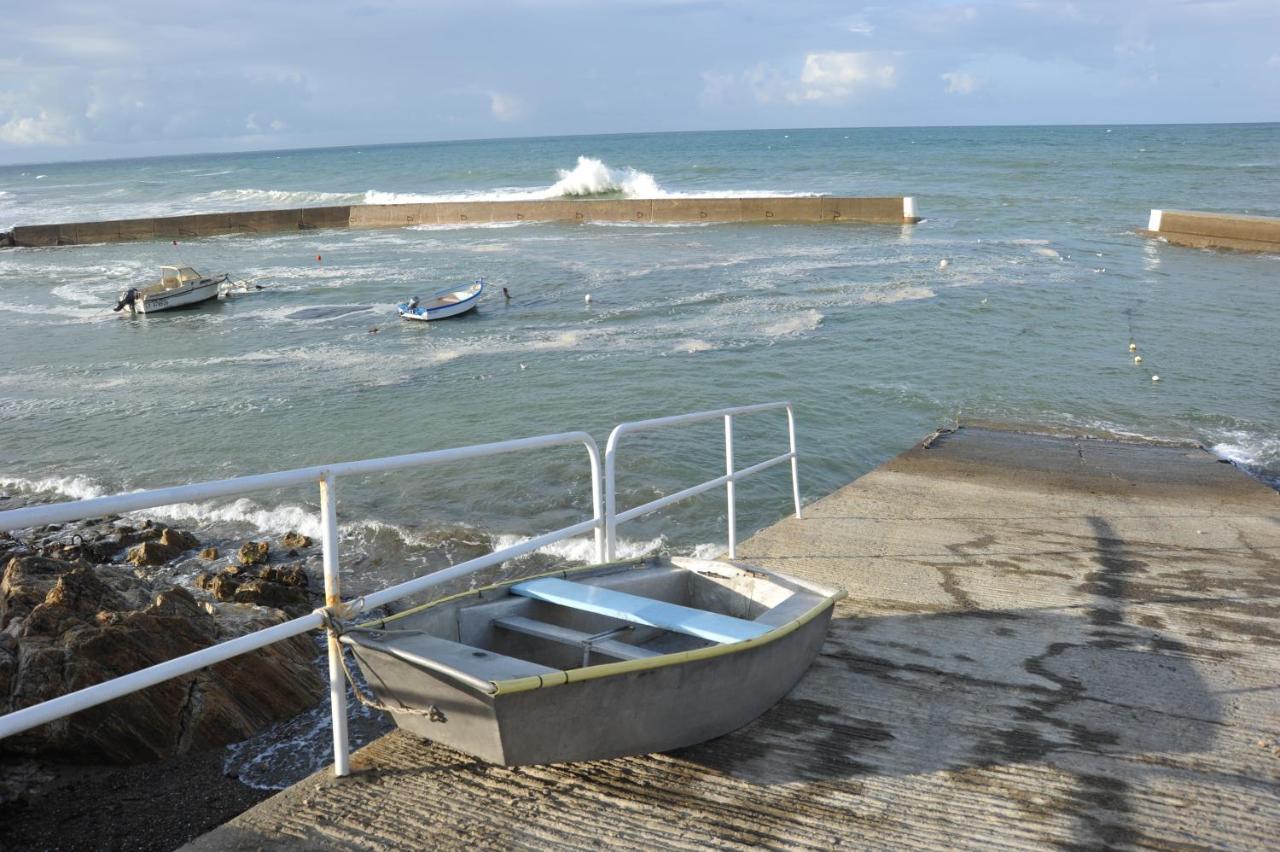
<point x="335" y="628"/>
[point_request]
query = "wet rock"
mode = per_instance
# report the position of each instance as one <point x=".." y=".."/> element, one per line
<point x="292" y="600"/>
<point x="221" y="585"/>
<point x="296" y="540"/>
<point x="278" y="586"/>
<point x="179" y="538"/>
<point x="26" y="581"/>
<point x="151" y="553"/>
<point x="287" y="575"/>
<point x="209" y="554"/>
<point x="84" y="629"/>
<point x="168" y="545"/>
<point x="253" y="553"/>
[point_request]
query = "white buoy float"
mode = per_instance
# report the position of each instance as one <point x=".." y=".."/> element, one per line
<point x="1155" y="378"/>
<point x="1133" y="347"/>
<point x="1137" y="359"/>
<point x="944" y="263"/>
<point x="588" y="298"/>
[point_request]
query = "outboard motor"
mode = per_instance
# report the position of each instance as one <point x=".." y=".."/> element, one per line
<point x="413" y="303"/>
<point x="127" y="300"/>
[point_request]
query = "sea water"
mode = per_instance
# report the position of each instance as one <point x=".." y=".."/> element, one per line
<point x="874" y="339"/>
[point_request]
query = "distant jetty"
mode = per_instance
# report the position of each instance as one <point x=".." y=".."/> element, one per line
<point x="1214" y="230"/>
<point x="896" y="210"/>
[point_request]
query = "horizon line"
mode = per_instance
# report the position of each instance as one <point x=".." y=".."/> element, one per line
<point x="545" y="137"/>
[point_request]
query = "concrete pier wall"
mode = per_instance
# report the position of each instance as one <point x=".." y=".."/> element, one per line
<point x="892" y="210"/>
<point x="1215" y="230"/>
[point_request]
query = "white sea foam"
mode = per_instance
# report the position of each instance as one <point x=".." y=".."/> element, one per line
<point x="279" y="519"/>
<point x="582" y="549"/>
<point x="904" y="294"/>
<point x="1249" y="449"/>
<point x="1047" y="252"/>
<point x="275" y="197"/>
<point x="800" y="323"/>
<point x="74" y="487"/>
<point x="691" y="346"/>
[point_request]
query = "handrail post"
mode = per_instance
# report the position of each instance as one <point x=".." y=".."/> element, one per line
<point x="597" y="503"/>
<point x="728" y="486"/>
<point x="795" y="464"/>
<point x="333" y="600"/>
<point x="610" y="500"/>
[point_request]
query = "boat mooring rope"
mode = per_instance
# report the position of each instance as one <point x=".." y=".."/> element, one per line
<point x="334" y="627"/>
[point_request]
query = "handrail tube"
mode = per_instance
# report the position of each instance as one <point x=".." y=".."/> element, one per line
<point x="612" y="516"/>
<point x="56" y="513"/>
<point x="764" y="465"/>
<point x="795" y="464"/>
<point x="732" y="507"/>
<point x="410" y="587"/>
<point x="693" y="417"/>
<point x="332" y="598"/>
<point x="654" y="505"/>
<point x="82" y="699"/>
<point x="662" y="502"/>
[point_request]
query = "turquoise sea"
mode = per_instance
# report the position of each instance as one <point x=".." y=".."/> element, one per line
<point x="874" y="339"/>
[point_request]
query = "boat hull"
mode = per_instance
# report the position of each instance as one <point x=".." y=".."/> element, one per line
<point x="441" y="313"/>
<point x="202" y="292"/>
<point x="639" y="712"/>
<point x="640" y="707"/>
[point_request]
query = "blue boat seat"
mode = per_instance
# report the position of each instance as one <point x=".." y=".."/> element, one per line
<point x="641" y="610"/>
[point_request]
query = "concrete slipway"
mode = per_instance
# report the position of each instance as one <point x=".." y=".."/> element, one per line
<point x="1048" y="642"/>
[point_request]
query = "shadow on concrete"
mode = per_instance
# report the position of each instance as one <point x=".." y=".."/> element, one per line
<point x="1080" y="689"/>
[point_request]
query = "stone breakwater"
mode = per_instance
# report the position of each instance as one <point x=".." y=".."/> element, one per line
<point x="81" y="605"/>
<point x="895" y="210"/>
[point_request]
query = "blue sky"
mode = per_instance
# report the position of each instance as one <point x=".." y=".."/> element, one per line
<point x="86" y="80"/>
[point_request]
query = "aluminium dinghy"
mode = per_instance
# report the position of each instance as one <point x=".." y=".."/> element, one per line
<point x="449" y="302"/>
<point x="598" y="662"/>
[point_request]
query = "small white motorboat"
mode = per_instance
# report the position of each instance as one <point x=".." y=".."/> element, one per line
<point x="446" y="303"/>
<point x="179" y="287"/>
<point x="598" y="662"/>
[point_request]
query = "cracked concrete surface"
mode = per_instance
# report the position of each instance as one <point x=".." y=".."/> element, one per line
<point x="1048" y="641"/>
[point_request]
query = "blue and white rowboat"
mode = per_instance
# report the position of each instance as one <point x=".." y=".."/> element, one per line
<point x="446" y="303"/>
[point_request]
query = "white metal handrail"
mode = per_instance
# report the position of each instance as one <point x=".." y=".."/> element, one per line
<point x="731" y="476"/>
<point x="603" y="523"/>
<point x="73" y="702"/>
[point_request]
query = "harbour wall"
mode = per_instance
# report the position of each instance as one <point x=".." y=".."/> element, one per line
<point x="831" y="209"/>
<point x="1215" y="230"/>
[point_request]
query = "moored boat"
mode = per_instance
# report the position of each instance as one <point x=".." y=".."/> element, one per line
<point x="446" y="303"/>
<point x="599" y="662"/>
<point x="180" y="286"/>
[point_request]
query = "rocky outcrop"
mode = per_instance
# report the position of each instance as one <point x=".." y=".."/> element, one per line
<point x="280" y="586"/>
<point x="64" y="626"/>
<point x="254" y="553"/>
<point x="296" y="540"/>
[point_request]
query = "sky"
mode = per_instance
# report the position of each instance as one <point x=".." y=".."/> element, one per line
<point x="94" y="80"/>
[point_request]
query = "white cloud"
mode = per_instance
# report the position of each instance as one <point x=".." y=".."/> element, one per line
<point x="505" y="107"/>
<point x="860" y="26"/>
<point x="260" y="124"/>
<point x="959" y="83"/>
<point x="837" y="76"/>
<point x="43" y="129"/>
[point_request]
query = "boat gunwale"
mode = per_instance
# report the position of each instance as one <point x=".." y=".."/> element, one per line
<point x="511" y="686"/>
